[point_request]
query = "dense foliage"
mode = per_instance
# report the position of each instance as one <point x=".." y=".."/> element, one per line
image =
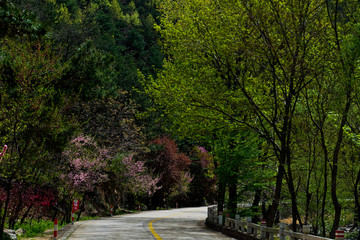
<point x="159" y="103"/>
<point x="68" y="71"/>
<point x="285" y="70"/>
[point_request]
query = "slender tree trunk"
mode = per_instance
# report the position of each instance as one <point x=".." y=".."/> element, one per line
<point x="356" y="199"/>
<point x="233" y="196"/>
<point x="82" y="206"/>
<point x="323" y="205"/>
<point x="326" y="161"/>
<point x="15" y="215"/>
<point x="291" y="187"/>
<point x="308" y="200"/>
<point x="337" y="206"/>
<point x="294" y="208"/>
<point x="221" y="197"/>
<point x="316" y="225"/>
<point x="271" y="212"/>
<point x="54" y="215"/>
<point x="255" y="205"/>
<point x="63" y="219"/>
<point x="7" y="201"/>
<point x="26" y="213"/>
<point x="68" y="216"/>
<point x="335" y="162"/>
<point x="307" y="190"/>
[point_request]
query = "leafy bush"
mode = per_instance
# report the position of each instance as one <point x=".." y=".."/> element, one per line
<point x="352" y="235"/>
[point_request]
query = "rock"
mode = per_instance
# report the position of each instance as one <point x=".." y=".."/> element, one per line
<point x="11" y="233"/>
<point x="20" y="232"/>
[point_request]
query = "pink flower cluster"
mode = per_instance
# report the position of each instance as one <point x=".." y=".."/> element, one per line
<point x="3" y="152"/>
<point x="204" y="156"/>
<point x="87" y="164"/>
<point x="138" y="179"/>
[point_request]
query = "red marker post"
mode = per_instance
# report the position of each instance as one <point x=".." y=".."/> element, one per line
<point x="339" y="234"/>
<point x="263" y="222"/>
<point x="262" y="226"/>
<point x="75" y="207"/>
<point x="72" y="216"/>
<point x="111" y="210"/>
<point x="55" y="229"/>
<point x="139" y="207"/>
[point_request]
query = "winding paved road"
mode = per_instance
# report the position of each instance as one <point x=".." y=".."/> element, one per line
<point x="181" y="223"/>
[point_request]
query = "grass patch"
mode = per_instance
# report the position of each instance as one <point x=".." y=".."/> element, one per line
<point x="87" y="218"/>
<point x="35" y="228"/>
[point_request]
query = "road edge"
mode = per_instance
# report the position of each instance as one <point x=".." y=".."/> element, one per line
<point x="229" y="232"/>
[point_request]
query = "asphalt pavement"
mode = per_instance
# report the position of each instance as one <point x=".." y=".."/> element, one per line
<point x="175" y="224"/>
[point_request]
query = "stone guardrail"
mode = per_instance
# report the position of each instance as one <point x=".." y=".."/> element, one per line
<point x="261" y="231"/>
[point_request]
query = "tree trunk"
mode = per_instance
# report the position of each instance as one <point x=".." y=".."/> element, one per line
<point x="271" y="212"/>
<point x="307" y="190"/>
<point x="337" y="206"/>
<point x="334" y="170"/>
<point x="308" y="200"/>
<point x="8" y="195"/>
<point x="82" y="206"/>
<point x="356" y="200"/>
<point x="291" y="187"/>
<point x="63" y="219"/>
<point x="221" y="197"/>
<point x="26" y="213"/>
<point x="255" y="205"/>
<point x="294" y="208"/>
<point x="232" y="206"/>
<point x="54" y="215"/>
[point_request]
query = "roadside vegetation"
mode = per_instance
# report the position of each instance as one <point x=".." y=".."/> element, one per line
<point x="252" y="105"/>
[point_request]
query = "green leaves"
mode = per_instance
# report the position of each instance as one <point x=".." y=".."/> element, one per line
<point x="286" y="70"/>
<point x="30" y="118"/>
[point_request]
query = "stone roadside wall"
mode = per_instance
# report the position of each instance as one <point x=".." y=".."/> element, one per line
<point x="230" y="232"/>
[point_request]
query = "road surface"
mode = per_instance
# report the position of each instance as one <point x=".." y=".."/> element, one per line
<point x="177" y="224"/>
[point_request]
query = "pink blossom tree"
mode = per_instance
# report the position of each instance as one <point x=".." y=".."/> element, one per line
<point x="138" y="179"/>
<point x="86" y="166"/>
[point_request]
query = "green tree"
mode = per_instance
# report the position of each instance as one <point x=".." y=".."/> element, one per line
<point x="31" y="120"/>
<point x="235" y="156"/>
<point x="246" y="65"/>
<point x="263" y="65"/>
<point x="14" y="22"/>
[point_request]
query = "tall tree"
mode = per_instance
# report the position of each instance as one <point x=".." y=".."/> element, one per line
<point x="31" y="112"/>
<point x="171" y="166"/>
<point x="245" y="62"/>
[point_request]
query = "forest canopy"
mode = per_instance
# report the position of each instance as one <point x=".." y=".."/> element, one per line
<point x="285" y="70"/>
<point x="164" y="103"/>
